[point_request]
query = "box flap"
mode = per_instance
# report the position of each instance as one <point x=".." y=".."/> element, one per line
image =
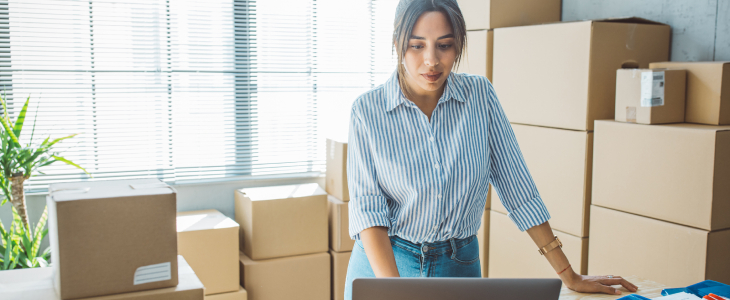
<point x="83" y="190"/>
<point x="636" y="20"/>
<point x="282" y="191"/>
<point x="203" y="220"/>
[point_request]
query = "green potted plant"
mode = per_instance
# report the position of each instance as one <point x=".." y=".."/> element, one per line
<point x="21" y="243"/>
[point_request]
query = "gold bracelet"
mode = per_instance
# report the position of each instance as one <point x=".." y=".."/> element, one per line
<point x="549" y="247"/>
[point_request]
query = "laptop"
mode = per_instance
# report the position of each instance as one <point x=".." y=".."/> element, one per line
<point x="455" y="288"/>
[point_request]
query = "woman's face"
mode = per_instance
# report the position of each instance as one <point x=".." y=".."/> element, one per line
<point x="431" y="53"/>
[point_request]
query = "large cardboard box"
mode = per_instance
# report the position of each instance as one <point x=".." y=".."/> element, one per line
<point x="708" y="91"/>
<point x="111" y="237"/>
<point x="301" y="277"/>
<point x="564" y="74"/>
<point x="339" y="225"/>
<point x="560" y="163"/>
<point x="628" y="244"/>
<point x="280" y="221"/>
<point x="336" y="175"/>
<point x="513" y="254"/>
<point x="237" y="295"/>
<point x="486" y="14"/>
<point x="483" y="239"/>
<point x="38" y="284"/>
<point x="209" y="241"/>
<point x="673" y="172"/>
<point x="479" y="49"/>
<point x="340" y="260"/>
<point x="650" y="96"/>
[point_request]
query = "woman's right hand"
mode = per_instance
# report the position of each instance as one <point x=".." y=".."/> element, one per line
<point x="377" y="246"/>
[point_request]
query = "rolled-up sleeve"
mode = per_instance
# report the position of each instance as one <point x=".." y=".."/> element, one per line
<point x="368" y="206"/>
<point x="509" y="173"/>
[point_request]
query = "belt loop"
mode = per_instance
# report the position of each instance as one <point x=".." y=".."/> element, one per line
<point x="453" y="248"/>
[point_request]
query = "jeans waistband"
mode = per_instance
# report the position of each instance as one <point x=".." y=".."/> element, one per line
<point x="435" y="248"/>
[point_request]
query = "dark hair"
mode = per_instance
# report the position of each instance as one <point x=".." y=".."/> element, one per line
<point x="406" y="15"/>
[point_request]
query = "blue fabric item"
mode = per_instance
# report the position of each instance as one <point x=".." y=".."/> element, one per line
<point x="427" y="180"/>
<point x="633" y="297"/>
<point x="451" y="258"/>
<point x="702" y="289"/>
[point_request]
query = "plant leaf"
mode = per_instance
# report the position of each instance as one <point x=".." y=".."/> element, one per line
<point x="58" y="158"/>
<point x="18" y="127"/>
<point x="37" y="236"/>
<point x="9" y="131"/>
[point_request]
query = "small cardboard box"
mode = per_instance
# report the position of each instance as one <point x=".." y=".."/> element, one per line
<point x="479" y="49"/>
<point x="513" y="254"/>
<point x="708" y="91"/>
<point x="339" y="224"/>
<point x="673" y="172"/>
<point x="676" y="255"/>
<point x="340" y="260"/>
<point x="38" y="284"/>
<point x="109" y="237"/>
<point x="280" y="221"/>
<point x="336" y="175"/>
<point x="303" y="277"/>
<point x="560" y="164"/>
<point x="209" y="241"/>
<point x="563" y="75"/>
<point x="487" y="14"/>
<point x="238" y="295"/>
<point x="650" y="96"/>
<point x="483" y="239"/>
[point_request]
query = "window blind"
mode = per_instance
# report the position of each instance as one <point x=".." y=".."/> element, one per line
<point x="191" y="90"/>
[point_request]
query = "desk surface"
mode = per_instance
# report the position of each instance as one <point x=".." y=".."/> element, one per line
<point x="647" y="288"/>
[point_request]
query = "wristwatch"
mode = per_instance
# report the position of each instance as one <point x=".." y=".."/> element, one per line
<point x="552" y="245"/>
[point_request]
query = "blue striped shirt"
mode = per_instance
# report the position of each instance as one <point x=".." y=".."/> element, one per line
<point x="427" y="180"/>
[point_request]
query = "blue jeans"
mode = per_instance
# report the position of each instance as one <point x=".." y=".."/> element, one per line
<point x="451" y="258"/>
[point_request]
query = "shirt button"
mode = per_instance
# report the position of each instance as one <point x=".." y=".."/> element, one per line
<point x="439" y="196"/>
<point x="436" y="166"/>
<point x="430" y="139"/>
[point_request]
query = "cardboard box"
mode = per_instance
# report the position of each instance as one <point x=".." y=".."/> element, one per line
<point x="563" y="75"/>
<point x="650" y="96"/>
<point x="38" y="284"/>
<point x="209" y="241"/>
<point x="108" y="237"/>
<point x="280" y="221"/>
<point x="340" y="260"/>
<point x="339" y="224"/>
<point x="513" y="254"/>
<point x="486" y="14"/>
<point x="674" y="172"/>
<point x="301" y="277"/>
<point x="483" y="239"/>
<point x="708" y="91"/>
<point x="238" y="295"/>
<point x="560" y="162"/>
<point x="628" y="244"/>
<point x="336" y="175"/>
<point x="478" y="54"/>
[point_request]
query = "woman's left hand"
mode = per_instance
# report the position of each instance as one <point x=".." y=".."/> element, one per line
<point x="598" y="284"/>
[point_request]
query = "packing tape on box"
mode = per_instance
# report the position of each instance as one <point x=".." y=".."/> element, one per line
<point x="72" y="190"/>
<point x="630" y="37"/>
<point x="156" y="185"/>
<point x="153" y="273"/>
<point x="631" y="114"/>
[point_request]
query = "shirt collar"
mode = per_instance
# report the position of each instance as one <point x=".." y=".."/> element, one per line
<point x="454" y="90"/>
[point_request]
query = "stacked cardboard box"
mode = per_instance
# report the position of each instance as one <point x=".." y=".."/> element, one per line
<point x="283" y="242"/>
<point x="113" y="238"/>
<point x="668" y="186"/>
<point x="553" y="80"/>
<point x="209" y="241"/>
<point x="37" y="284"/>
<point x="340" y="242"/>
<point x="482" y="16"/>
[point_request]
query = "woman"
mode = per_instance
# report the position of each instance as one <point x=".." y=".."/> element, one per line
<point x="423" y="148"/>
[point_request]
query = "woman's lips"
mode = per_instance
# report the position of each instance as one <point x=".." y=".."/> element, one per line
<point x="432" y="77"/>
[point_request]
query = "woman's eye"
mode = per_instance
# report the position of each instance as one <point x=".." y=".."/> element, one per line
<point x="445" y="46"/>
<point x="416" y="46"/>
